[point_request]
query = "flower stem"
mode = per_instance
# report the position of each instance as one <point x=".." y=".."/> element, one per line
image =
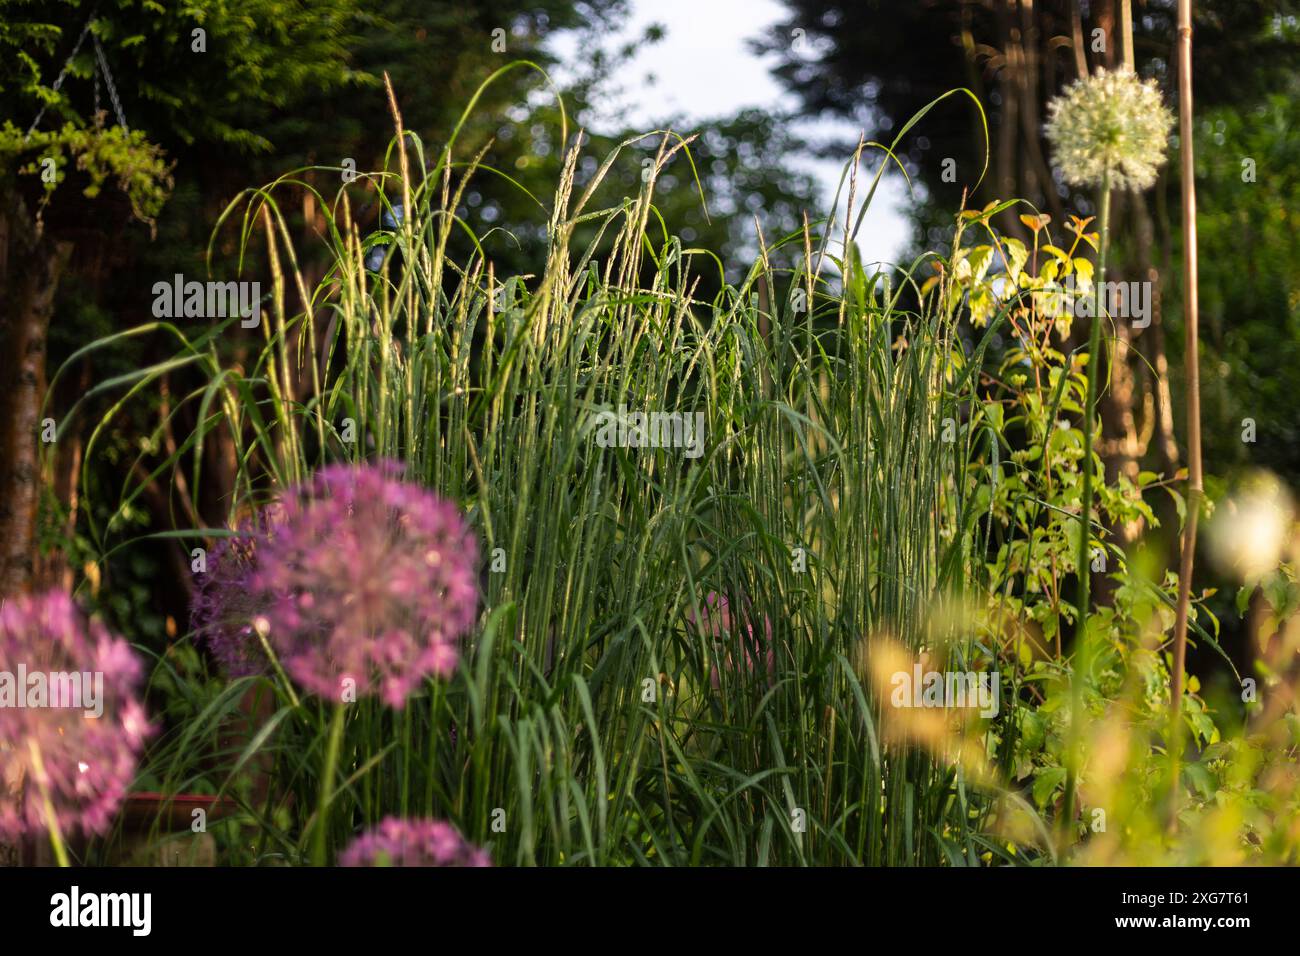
<point x="275" y="663"/>
<point x="1082" y="662"/>
<point x="51" y="822"/>
<point x="327" y="786"/>
<point x="435" y="730"/>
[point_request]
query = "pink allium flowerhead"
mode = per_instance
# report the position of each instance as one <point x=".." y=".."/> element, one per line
<point x="368" y="578"/>
<point x="88" y="761"/>
<point x="224" y="605"/>
<point x="717" y="625"/>
<point x="398" y="842"/>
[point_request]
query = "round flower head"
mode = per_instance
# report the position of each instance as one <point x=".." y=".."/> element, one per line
<point x="224" y="605"/>
<point x="1109" y="123"/>
<point x="365" y="578"/>
<point x="396" y="842"/>
<point x="71" y="725"/>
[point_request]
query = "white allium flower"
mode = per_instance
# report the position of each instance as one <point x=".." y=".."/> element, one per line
<point x="1110" y="122"/>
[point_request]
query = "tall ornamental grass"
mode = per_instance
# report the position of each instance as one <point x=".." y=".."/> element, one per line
<point x="602" y="711"/>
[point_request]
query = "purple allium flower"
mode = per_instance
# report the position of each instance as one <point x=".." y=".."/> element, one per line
<point x="717" y="625"/>
<point x="366" y="577"/>
<point x="224" y="605"/>
<point x="398" y="842"/>
<point x="88" y="761"/>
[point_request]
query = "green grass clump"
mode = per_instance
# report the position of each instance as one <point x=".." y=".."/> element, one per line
<point x="591" y="721"/>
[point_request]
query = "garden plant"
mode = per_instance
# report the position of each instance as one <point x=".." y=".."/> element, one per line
<point x="643" y="556"/>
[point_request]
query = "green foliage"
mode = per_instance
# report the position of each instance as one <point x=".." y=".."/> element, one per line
<point x="260" y="54"/>
<point x="1232" y="797"/>
<point x="134" y="164"/>
<point x="818" y="504"/>
<point x="870" y="480"/>
<point x="149" y="46"/>
<point x="1249" y="293"/>
<point x="1032" y="405"/>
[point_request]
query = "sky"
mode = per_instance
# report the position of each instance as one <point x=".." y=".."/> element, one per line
<point x="703" y="68"/>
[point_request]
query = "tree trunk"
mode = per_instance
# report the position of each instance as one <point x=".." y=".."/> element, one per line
<point x="29" y="277"/>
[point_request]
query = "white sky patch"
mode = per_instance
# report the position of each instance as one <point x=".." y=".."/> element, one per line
<point x="704" y="69"/>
